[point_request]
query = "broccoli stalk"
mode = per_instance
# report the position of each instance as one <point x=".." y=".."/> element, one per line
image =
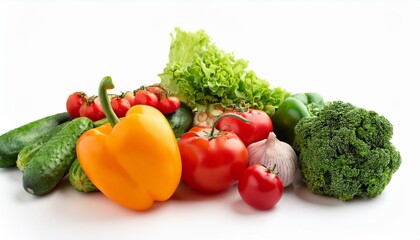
<point x="346" y="152"/>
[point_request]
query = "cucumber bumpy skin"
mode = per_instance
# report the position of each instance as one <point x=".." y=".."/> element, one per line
<point x="14" y="140"/>
<point x="26" y="153"/>
<point x="79" y="180"/>
<point x="52" y="161"/>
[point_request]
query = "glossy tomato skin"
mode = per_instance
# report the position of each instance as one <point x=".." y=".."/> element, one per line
<point x="211" y="164"/>
<point x="129" y="95"/>
<point x="92" y="109"/>
<point x="259" y="187"/>
<point x="157" y="90"/>
<point x="120" y="106"/>
<point x="257" y="129"/>
<point x="145" y="97"/>
<point x="74" y="102"/>
<point x="169" y="104"/>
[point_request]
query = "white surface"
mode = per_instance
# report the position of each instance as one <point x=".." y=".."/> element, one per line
<point x="366" y="53"/>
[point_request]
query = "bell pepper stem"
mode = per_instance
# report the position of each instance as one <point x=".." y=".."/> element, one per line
<point x="223" y="116"/>
<point x="106" y="83"/>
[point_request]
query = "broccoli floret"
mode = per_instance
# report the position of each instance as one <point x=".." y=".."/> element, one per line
<point x="346" y="151"/>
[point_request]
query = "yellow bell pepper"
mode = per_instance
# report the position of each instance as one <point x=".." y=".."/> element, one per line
<point x="134" y="160"/>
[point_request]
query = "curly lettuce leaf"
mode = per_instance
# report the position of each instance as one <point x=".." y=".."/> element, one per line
<point x="204" y="76"/>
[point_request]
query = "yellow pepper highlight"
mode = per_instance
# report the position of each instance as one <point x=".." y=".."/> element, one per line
<point x="135" y="162"/>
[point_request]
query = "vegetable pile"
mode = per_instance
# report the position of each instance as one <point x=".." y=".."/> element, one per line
<point x="211" y="124"/>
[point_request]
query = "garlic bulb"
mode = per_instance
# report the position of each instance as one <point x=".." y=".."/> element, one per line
<point x="270" y="152"/>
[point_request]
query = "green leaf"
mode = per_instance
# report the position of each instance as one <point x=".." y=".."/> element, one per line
<point x="202" y="75"/>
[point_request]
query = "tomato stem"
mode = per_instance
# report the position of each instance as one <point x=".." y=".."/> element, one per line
<point x="106" y="83"/>
<point x="223" y="116"/>
<point x="272" y="170"/>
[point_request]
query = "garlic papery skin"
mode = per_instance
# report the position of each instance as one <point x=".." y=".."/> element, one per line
<point x="270" y="152"/>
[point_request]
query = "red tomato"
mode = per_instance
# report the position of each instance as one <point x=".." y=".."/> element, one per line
<point x="169" y="104"/>
<point x="129" y="95"/>
<point x="92" y="109"/>
<point x="259" y="187"/>
<point x="120" y="106"/>
<point x="257" y="129"/>
<point x="74" y="102"/>
<point x="157" y="90"/>
<point x="211" y="164"/>
<point x="145" y="97"/>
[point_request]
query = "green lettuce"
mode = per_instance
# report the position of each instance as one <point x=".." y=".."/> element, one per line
<point x="203" y="76"/>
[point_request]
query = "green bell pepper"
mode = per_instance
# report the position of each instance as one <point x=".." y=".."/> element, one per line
<point x="293" y="109"/>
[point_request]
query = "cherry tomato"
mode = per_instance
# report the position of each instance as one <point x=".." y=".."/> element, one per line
<point x="74" y="102"/>
<point x="145" y="97"/>
<point x="92" y="109"/>
<point x="211" y="162"/>
<point x="129" y="95"/>
<point x="259" y="187"/>
<point x="120" y="106"/>
<point x="168" y="104"/>
<point x="157" y="90"/>
<point x="257" y="129"/>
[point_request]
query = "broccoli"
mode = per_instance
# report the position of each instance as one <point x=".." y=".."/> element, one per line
<point x="346" y="152"/>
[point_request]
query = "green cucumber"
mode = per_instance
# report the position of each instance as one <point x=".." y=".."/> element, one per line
<point x="79" y="180"/>
<point x="52" y="162"/>
<point x="181" y="121"/>
<point x="33" y="146"/>
<point x="26" y="153"/>
<point x="13" y="141"/>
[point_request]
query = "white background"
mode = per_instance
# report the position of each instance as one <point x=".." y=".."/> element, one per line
<point x="363" y="52"/>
